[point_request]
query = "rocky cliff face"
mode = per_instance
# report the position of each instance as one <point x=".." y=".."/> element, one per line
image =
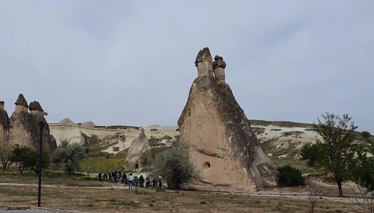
<point x="221" y="143"/>
<point x="139" y="149"/>
<point x="24" y="128"/>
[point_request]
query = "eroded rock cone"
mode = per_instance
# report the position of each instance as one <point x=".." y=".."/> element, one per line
<point x="221" y="143"/>
<point x="139" y="149"/>
<point x="24" y="126"/>
<point x="4" y="123"/>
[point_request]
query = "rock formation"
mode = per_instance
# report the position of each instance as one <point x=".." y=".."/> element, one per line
<point x="88" y="124"/>
<point x="67" y="122"/>
<point x="219" y="66"/>
<point x="4" y="124"/>
<point x="24" y="126"/>
<point x="139" y="149"/>
<point x="221" y="143"/>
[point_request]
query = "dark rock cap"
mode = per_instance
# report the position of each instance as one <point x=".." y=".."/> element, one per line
<point x="203" y="55"/>
<point x="217" y="57"/>
<point x="21" y="101"/>
<point x="2" y="103"/>
<point x="218" y="62"/>
<point x="35" y="106"/>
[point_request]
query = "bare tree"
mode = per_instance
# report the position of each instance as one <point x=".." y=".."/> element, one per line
<point x="314" y="193"/>
<point x="363" y="199"/>
<point x="5" y="149"/>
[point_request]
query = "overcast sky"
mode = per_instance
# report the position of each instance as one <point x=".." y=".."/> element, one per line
<point x="132" y="62"/>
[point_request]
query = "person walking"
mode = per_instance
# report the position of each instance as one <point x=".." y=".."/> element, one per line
<point x="131" y="180"/>
<point x="154" y="183"/>
<point x="147" y="182"/>
<point x="124" y="178"/>
<point x="136" y="181"/>
<point x="100" y="176"/>
<point x="141" y="181"/>
<point x="159" y="182"/>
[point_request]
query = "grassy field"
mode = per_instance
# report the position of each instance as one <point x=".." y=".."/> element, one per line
<point x="102" y="164"/>
<point x="148" y="200"/>
<point x="51" y="177"/>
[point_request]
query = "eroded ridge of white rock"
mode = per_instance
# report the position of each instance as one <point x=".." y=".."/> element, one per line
<point x="139" y="149"/>
<point x="24" y="126"/>
<point x="221" y="143"/>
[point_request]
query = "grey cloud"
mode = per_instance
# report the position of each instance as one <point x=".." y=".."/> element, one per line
<point x="131" y="62"/>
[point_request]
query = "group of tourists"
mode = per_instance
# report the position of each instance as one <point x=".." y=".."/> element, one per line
<point x="131" y="180"/>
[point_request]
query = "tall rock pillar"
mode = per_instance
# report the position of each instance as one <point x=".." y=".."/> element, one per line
<point x="221" y="143"/>
<point x="4" y="122"/>
<point x="24" y="128"/>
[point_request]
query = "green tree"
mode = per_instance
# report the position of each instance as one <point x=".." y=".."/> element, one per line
<point x="311" y="153"/>
<point x="27" y="158"/>
<point x="174" y="165"/>
<point x="290" y="176"/>
<point x="362" y="166"/>
<point x="145" y="161"/>
<point x="68" y="156"/>
<point x="336" y="147"/>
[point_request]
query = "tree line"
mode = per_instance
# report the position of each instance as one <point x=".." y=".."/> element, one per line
<point x="66" y="156"/>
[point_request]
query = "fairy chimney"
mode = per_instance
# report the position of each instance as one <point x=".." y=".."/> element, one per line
<point x="4" y="121"/>
<point x="219" y="66"/>
<point x="220" y="141"/>
<point x="203" y="62"/>
<point x="138" y="150"/>
<point x="24" y="126"/>
<point x="35" y="107"/>
<point x="21" y="104"/>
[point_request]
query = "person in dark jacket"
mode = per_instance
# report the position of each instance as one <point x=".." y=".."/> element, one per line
<point x="141" y="181"/>
<point x="100" y="178"/>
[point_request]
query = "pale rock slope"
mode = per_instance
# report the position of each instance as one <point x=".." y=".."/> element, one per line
<point x="114" y="139"/>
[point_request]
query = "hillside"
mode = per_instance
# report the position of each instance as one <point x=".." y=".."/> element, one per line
<point x="280" y="140"/>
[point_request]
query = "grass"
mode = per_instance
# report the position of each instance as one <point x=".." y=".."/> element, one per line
<point x="102" y="164"/>
<point x="120" y="200"/>
<point x="52" y="178"/>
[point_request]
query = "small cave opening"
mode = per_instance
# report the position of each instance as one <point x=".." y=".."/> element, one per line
<point x="137" y="166"/>
<point x="206" y="165"/>
<point x="189" y="112"/>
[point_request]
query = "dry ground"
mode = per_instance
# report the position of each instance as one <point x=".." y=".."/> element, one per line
<point x="119" y="199"/>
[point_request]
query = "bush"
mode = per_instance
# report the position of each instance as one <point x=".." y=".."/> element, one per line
<point x="69" y="156"/>
<point x="290" y="176"/>
<point x="175" y="167"/>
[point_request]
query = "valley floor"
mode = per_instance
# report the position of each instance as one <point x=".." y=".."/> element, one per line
<point x="96" y="196"/>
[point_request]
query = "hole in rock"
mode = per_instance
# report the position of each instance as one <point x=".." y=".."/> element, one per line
<point x="206" y="165"/>
<point x="137" y="166"/>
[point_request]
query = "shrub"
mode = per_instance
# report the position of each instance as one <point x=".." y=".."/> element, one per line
<point x="175" y="167"/>
<point x="69" y="156"/>
<point x="290" y="176"/>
